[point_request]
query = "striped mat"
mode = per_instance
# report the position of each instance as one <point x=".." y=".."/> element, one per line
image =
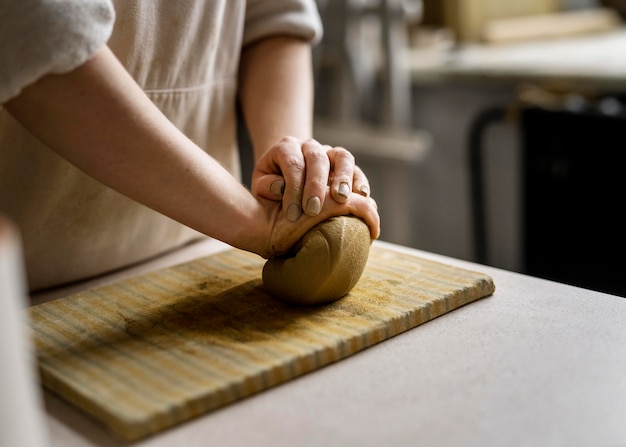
<point x="148" y="352"/>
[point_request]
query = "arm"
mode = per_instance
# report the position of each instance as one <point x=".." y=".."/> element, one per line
<point x="100" y="120"/>
<point x="276" y="94"/>
<point x="276" y="91"/>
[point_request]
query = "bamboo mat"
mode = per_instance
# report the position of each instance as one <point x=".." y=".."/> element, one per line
<point x="148" y="352"/>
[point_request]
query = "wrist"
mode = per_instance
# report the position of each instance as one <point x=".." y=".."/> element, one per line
<point x="250" y="230"/>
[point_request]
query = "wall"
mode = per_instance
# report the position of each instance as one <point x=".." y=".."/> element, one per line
<point x="426" y="205"/>
<point x="443" y="217"/>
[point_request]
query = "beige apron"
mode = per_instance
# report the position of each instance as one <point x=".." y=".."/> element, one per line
<point x="185" y="55"/>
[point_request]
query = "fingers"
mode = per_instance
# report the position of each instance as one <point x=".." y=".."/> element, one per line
<point x="292" y="166"/>
<point x="300" y="173"/>
<point x="356" y="205"/>
<point x="360" y="183"/>
<point x="346" y="175"/>
<point x="286" y="234"/>
<point x="367" y="209"/>
<point x="280" y="174"/>
<point x="304" y="168"/>
<point x="269" y="186"/>
<point x="342" y="163"/>
<point x="316" y="180"/>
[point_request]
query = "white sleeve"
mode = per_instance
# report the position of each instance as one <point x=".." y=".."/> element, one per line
<point x="298" y="18"/>
<point x="38" y="37"/>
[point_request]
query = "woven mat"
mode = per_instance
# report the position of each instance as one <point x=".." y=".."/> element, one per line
<point x="148" y="352"/>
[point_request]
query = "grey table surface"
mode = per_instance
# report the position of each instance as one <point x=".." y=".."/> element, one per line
<point x="536" y="364"/>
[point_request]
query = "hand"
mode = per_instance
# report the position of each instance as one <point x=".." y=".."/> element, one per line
<point x="280" y="233"/>
<point x="299" y="172"/>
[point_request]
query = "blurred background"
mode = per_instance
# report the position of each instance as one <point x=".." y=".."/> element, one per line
<point x="491" y="131"/>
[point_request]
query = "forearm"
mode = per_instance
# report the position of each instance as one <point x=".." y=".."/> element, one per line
<point x="276" y="95"/>
<point x="98" y="118"/>
<point x="276" y="90"/>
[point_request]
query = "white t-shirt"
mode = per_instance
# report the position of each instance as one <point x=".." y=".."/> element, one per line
<point x="183" y="53"/>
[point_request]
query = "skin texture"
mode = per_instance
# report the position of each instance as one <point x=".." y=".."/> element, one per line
<point x="323" y="266"/>
<point x="100" y="120"/>
<point x="276" y="95"/>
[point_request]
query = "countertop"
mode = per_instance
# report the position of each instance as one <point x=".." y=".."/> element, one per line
<point x="538" y="364"/>
<point x="590" y="61"/>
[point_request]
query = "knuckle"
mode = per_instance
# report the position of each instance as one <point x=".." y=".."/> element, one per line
<point x="346" y="155"/>
<point x="288" y="139"/>
<point x="317" y="157"/>
<point x="294" y="163"/>
<point x="288" y="158"/>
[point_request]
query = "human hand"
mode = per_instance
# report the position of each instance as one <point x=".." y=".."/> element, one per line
<point x="279" y="234"/>
<point x="299" y="173"/>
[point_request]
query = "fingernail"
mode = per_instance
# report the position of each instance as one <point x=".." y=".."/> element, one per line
<point x="293" y="212"/>
<point x="364" y="190"/>
<point x="313" y="206"/>
<point x="277" y="188"/>
<point x="344" y="189"/>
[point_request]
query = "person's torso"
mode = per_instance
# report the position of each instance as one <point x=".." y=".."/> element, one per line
<point x="185" y="55"/>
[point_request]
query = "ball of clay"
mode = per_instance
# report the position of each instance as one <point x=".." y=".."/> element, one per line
<point x="323" y="266"/>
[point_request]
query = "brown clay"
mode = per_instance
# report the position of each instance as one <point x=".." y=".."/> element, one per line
<point x="323" y="266"/>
